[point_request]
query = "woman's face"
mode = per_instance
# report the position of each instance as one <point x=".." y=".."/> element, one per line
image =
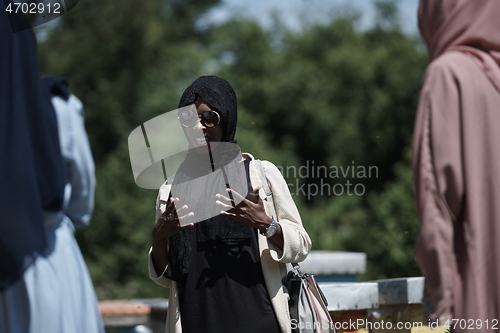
<point x="199" y="139"/>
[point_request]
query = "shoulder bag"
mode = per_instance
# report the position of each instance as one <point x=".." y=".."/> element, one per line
<point x="308" y="306"/>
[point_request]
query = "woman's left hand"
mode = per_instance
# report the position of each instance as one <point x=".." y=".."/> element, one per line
<point x="247" y="212"/>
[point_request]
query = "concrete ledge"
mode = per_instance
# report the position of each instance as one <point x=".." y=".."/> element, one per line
<point x="350" y="296"/>
<point x="401" y="291"/>
<point x="334" y="263"/>
<point x="392" y="300"/>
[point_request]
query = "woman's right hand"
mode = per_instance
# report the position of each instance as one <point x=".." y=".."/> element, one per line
<point x="168" y="224"/>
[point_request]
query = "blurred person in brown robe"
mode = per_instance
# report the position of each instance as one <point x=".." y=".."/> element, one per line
<point x="456" y="163"/>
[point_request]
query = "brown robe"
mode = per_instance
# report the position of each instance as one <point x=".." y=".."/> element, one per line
<point x="456" y="163"/>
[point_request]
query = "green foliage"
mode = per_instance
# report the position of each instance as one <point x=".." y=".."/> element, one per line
<point x="393" y="228"/>
<point x="329" y="94"/>
<point x="337" y="97"/>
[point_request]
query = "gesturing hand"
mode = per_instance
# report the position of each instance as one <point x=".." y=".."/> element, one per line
<point x="168" y="222"/>
<point x="249" y="213"/>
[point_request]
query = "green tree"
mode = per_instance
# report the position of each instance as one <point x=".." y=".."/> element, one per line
<point x="329" y="93"/>
<point x="388" y="233"/>
<point x="335" y="96"/>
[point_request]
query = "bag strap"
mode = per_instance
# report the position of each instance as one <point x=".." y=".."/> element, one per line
<point x="269" y="198"/>
<point x="265" y="186"/>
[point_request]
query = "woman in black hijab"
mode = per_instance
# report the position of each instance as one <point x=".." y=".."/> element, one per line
<point x="225" y="272"/>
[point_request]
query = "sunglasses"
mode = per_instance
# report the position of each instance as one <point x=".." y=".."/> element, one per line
<point x="208" y="119"/>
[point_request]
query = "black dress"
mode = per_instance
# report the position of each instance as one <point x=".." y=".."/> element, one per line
<point x="224" y="289"/>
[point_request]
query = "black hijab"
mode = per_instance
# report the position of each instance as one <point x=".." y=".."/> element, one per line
<point x="218" y="94"/>
<point x="31" y="165"/>
<point x="56" y="86"/>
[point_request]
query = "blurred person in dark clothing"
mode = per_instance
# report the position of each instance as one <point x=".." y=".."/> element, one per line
<point x="44" y="283"/>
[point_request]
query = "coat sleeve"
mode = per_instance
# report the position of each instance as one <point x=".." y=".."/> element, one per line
<point x="161" y="205"/>
<point x="296" y="241"/>
<point x="438" y="183"/>
<point x="78" y="160"/>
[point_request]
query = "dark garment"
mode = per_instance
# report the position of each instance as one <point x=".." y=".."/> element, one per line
<point x="31" y="165"/>
<point x="56" y="86"/>
<point x="201" y="200"/>
<point x="224" y="290"/>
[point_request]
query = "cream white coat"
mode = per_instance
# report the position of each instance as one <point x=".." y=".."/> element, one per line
<point x="297" y="245"/>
